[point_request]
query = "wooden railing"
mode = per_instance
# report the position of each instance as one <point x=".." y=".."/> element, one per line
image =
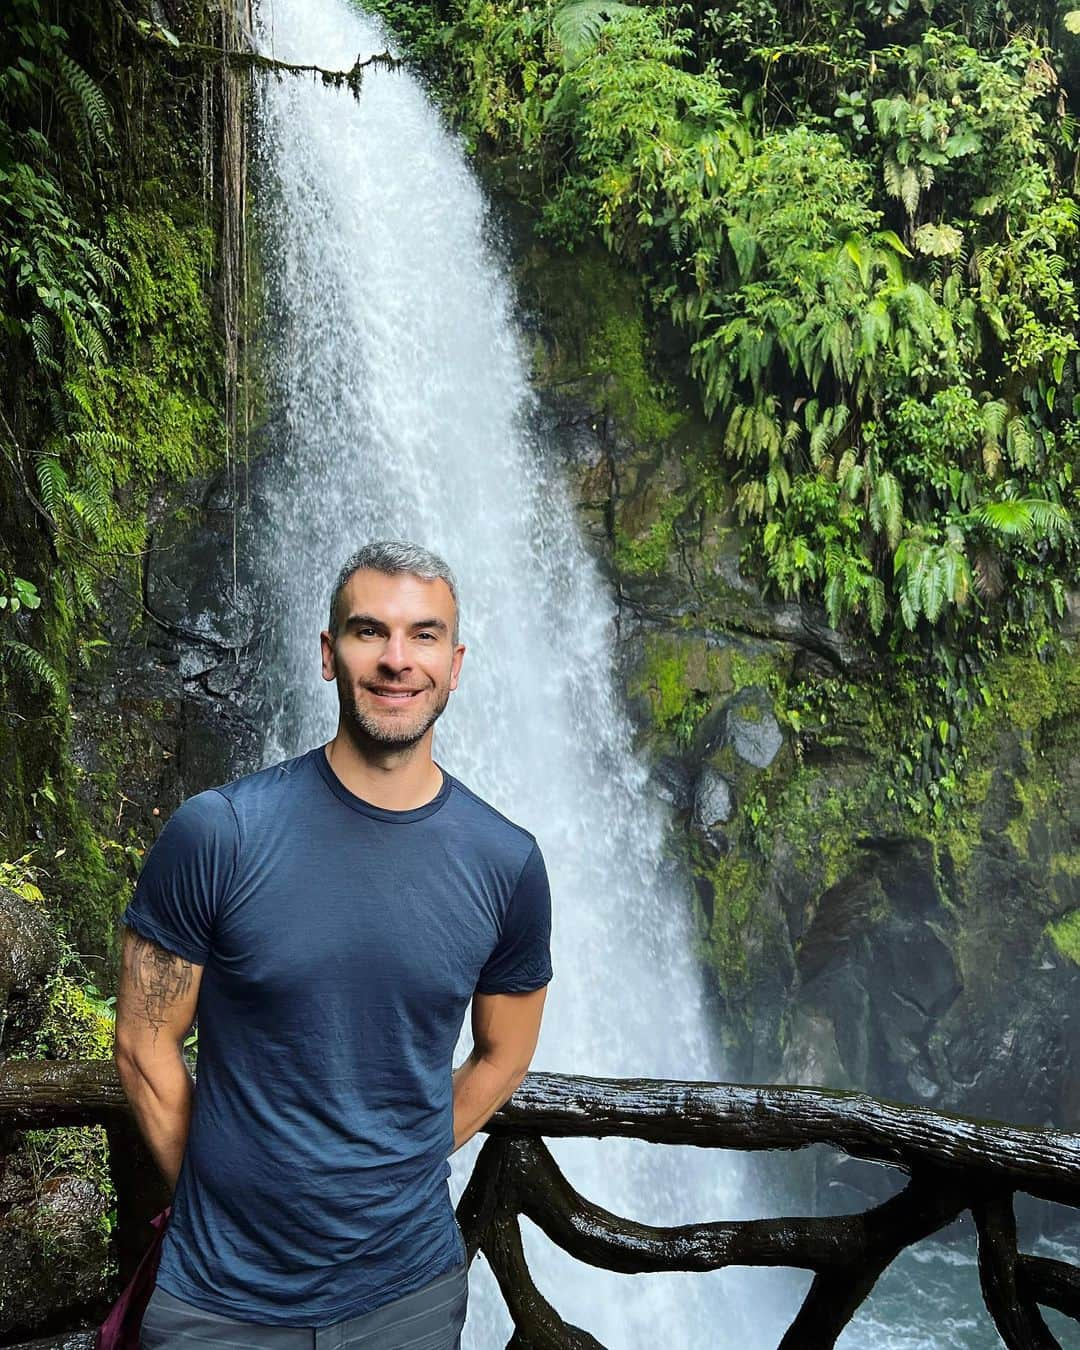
<point x="953" y="1164"/>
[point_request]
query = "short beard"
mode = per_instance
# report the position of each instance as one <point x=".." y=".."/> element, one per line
<point x="365" y="728"/>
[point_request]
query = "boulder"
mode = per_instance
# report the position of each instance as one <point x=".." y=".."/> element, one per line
<point x="28" y="956"/>
<point x="751" y="728"/>
<point x="713" y="803"/>
<point x="53" y="1257"/>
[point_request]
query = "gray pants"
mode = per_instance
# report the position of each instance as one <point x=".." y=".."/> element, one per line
<point x="430" y="1318"/>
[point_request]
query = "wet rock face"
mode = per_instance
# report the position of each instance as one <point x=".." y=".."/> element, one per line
<point x="713" y="804"/>
<point x="877" y="974"/>
<point x="847" y="951"/>
<point x="751" y="729"/>
<point x="28" y="956"/>
<point x="53" y="1257"/>
<point x="167" y="713"/>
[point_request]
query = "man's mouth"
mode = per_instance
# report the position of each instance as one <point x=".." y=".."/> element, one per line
<point x="393" y="695"/>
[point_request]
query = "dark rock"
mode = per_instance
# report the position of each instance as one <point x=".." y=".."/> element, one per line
<point x="751" y="728"/>
<point x="1071" y="623"/>
<point x="877" y="962"/>
<point x="673" y="780"/>
<point x="188" y="596"/>
<point x="53" y="1256"/>
<point x="67" y="1340"/>
<point x="713" y="803"/>
<point x="28" y="956"/>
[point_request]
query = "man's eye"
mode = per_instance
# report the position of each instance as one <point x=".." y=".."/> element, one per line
<point x="426" y="635"/>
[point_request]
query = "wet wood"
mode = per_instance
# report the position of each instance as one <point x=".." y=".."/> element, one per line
<point x="42" y="1093"/>
<point x="1045" y="1163"/>
<point x="953" y="1163"/>
<point x="1008" y="1301"/>
<point x="1051" y="1283"/>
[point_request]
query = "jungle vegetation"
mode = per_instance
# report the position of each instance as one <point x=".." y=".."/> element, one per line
<point x="861" y="218"/>
<point x="112" y="352"/>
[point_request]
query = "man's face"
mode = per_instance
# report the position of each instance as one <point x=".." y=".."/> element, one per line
<point x="393" y="659"/>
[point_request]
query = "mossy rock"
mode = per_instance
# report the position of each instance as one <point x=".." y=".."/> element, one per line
<point x="594" y="341"/>
<point x="677" y="679"/>
<point x="54" y="1257"/>
<point x="28" y="955"/>
<point x="1065" y="933"/>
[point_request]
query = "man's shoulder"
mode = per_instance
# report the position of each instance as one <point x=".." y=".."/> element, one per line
<point x="490" y="822"/>
<point x="244" y="800"/>
<point x="268" y="781"/>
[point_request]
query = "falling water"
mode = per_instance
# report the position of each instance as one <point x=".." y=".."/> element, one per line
<point x="401" y="408"/>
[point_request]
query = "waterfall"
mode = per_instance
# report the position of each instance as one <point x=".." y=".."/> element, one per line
<point x="401" y="408"/>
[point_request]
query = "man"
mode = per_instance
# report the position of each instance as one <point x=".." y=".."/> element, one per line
<point x="329" y="919"/>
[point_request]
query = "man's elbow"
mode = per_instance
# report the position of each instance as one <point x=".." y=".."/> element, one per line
<point x="140" y="1063"/>
<point x="126" y="1059"/>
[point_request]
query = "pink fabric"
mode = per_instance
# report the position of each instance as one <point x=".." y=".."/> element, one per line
<point x="120" y="1330"/>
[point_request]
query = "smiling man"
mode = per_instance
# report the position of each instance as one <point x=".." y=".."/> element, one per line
<point x="329" y="919"/>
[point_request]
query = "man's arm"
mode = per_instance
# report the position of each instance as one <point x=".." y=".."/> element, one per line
<point x="505" y="1029"/>
<point x="155" y="1007"/>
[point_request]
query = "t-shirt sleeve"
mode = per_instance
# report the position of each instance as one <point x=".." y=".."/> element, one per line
<point x="186" y="876"/>
<point x="521" y="960"/>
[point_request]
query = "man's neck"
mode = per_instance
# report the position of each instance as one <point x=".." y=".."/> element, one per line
<point x="396" y="780"/>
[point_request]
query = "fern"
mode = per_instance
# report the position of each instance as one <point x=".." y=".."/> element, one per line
<point x="577" y="26"/>
<point x="887" y="507"/>
<point x="84" y="587"/>
<point x="105" y="443"/>
<point x="41" y="339"/>
<point x="31" y="662"/>
<point x="53" y="482"/>
<point x="1026" y="518"/>
<point x="84" y="106"/>
<point x="1020" y="443"/>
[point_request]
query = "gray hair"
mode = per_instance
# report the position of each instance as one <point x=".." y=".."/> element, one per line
<point x="393" y="557"/>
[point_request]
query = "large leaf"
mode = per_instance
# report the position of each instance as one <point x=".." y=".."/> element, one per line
<point x="577" y="26"/>
<point x="938" y="240"/>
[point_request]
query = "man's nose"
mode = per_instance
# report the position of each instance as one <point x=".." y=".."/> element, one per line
<point x="395" y="654"/>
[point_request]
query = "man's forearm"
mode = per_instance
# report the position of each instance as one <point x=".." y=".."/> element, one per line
<point x="480" y="1088"/>
<point x="161" y="1099"/>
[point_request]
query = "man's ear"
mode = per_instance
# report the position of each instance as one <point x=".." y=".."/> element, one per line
<point x="455" y="664"/>
<point x="329" y="665"/>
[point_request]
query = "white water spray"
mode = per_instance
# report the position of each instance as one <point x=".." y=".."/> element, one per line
<point x="404" y="411"/>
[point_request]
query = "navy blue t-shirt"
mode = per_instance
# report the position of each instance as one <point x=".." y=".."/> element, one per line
<point x="341" y="944"/>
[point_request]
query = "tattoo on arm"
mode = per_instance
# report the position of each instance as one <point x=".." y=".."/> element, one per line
<point x="157" y="979"/>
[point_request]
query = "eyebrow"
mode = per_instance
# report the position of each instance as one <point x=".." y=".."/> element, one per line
<point x="370" y="621"/>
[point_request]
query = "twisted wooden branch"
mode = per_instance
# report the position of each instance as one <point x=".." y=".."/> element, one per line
<point x="1045" y="1163"/>
<point x="954" y="1163"/>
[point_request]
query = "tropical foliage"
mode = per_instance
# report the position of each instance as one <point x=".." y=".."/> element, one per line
<point x="104" y="330"/>
<point x="113" y="359"/>
<point x="863" y="222"/>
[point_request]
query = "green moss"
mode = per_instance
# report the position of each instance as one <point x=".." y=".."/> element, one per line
<point x="617" y="347"/>
<point x="735" y="881"/>
<point x="650" y="553"/>
<point x="78" y="1025"/>
<point x="759" y="671"/>
<point x="1035" y="794"/>
<point x="1027" y="693"/>
<point x="680" y="677"/>
<point x="821" y="818"/>
<point x="599" y="339"/>
<point x="1068" y="864"/>
<point x="1065" y="933"/>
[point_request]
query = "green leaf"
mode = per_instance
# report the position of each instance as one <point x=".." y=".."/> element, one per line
<point x="938" y="240"/>
<point x="894" y="241"/>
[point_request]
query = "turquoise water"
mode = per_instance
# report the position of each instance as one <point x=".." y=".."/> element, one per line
<point x="929" y="1299"/>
